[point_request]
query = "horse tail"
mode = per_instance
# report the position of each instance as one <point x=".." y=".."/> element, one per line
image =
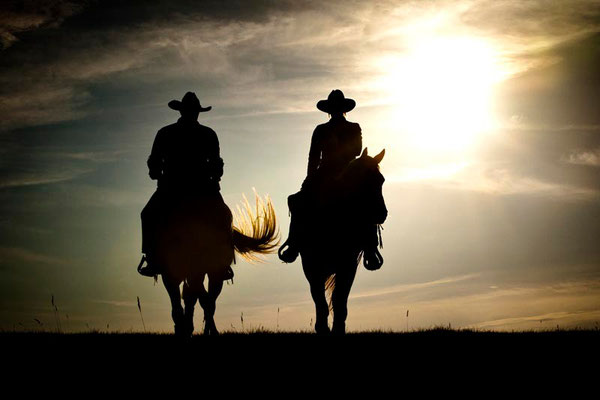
<point x="331" y="282"/>
<point x="329" y="287"/>
<point x="256" y="231"/>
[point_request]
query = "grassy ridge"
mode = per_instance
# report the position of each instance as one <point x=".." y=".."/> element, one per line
<point x="437" y="338"/>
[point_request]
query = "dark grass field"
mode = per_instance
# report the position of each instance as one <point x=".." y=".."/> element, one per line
<point x="261" y="362"/>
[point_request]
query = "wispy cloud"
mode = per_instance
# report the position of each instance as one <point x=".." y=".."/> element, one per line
<point x="503" y="181"/>
<point x="397" y="289"/>
<point x="19" y="254"/>
<point x="549" y="321"/>
<point x="117" y="303"/>
<point x="40" y="178"/>
<point x="18" y="16"/>
<point x="591" y="158"/>
<point x="27" y="166"/>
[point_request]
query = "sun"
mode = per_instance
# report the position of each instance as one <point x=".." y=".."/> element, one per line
<point x="441" y="90"/>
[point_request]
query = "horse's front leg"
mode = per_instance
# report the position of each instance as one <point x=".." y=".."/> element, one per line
<point x="316" y="281"/>
<point x="208" y="301"/>
<point x="172" y="287"/>
<point x="317" y="291"/>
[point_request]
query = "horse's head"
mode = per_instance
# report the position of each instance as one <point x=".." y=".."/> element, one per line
<point x="365" y="185"/>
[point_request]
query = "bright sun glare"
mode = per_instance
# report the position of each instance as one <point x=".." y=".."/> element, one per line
<point x="442" y="89"/>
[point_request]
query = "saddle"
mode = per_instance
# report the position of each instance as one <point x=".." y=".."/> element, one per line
<point x="305" y="207"/>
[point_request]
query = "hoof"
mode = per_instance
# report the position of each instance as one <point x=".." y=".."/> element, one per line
<point x="183" y="331"/>
<point x="322" y="329"/>
<point x="339" y="329"/>
<point x="210" y="329"/>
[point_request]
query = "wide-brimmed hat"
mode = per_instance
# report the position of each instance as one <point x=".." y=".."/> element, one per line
<point x="336" y="102"/>
<point x="189" y="102"/>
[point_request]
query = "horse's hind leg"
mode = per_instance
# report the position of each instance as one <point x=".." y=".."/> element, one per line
<point x="208" y="301"/>
<point x="190" y="296"/>
<point x="172" y="287"/>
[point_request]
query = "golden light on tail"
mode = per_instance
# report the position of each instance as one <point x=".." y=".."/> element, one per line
<point x="255" y="229"/>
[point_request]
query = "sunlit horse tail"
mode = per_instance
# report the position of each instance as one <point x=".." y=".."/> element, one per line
<point x="255" y="231"/>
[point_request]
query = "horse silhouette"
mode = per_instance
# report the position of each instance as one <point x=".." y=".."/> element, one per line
<point x="198" y="240"/>
<point x="337" y="233"/>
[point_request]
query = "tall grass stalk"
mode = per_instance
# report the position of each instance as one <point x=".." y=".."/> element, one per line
<point x="56" y="315"/>
<point x="141" y="315"/>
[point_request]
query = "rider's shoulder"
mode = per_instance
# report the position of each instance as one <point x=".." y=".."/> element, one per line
<point x="168" y="128"/>
<point x="353" y="125"/>
<point x="206" y="128"/>
<point x="322" y="127"/>
<point x="207" y="132"/>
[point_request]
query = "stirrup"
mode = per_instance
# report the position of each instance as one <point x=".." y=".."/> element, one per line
<point x="148" y="270"/>
<point x="228" y="274"/>
<point x="372" y="260"/>
<point x="287" y="253"/>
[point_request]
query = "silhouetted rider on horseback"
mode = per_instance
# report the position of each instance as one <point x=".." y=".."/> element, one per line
<point x="334" y="144"/>
<point x="184" y="160"/>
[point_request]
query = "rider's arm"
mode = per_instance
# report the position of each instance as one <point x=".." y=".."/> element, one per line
<point x="155" y="161"/>
<point x="356" y="141"/>
<point x="314" y="155"/>
<point x="215" y="162"/>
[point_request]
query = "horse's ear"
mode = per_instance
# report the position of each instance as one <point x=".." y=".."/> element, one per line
<point x="379" y="156"/>
<point x="364" y="153"/>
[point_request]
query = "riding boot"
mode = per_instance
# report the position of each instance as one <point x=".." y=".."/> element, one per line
<point x="288" y="252"/>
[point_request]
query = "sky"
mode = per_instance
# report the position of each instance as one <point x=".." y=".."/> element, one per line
<point x="487" y="110"/>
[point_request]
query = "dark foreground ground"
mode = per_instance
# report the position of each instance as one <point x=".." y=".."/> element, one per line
<point x="455" y="357"/>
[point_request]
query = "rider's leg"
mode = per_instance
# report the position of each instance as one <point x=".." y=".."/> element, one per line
<point x="289" y="250"/>
<point x="150" y="215"/>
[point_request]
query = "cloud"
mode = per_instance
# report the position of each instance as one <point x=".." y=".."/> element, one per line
<point x="406" y="288"/>
<point x="40" y="178"/>
<point x="503" y="181"/>
<point x="22" y="16"/>
<point x="40" y="105"/>
<point x="590" y="158"/>
<point x="117" y="303"/>
<point x="250" y="54"/>
<point x="19" y="254"/>
<point x="24" y="165"/>
<point x="548" y="321"/>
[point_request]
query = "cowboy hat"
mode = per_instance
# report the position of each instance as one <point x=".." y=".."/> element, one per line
<point x="189" y="102"/>
<point x="336" y="102"/>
